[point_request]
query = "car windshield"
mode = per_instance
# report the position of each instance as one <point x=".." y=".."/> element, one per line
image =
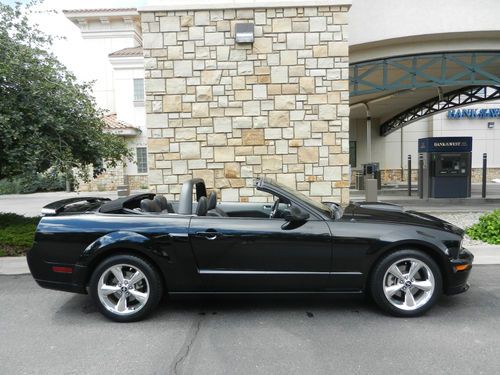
<point x="311" y="202"/>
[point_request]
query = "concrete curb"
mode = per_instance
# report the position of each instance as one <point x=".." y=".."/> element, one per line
<point x="483" y="254"/>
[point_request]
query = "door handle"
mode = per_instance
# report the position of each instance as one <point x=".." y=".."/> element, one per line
<point x="209" y="235"/>
<point x="267" y="207"/>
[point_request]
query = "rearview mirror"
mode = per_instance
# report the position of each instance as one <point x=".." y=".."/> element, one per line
<point x="296" y="214"/>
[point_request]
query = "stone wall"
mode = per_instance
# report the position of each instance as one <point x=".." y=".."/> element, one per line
<point x="230" y="112"/>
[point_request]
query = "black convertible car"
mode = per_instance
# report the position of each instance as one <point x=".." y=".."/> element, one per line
<point x="130" y="251"/>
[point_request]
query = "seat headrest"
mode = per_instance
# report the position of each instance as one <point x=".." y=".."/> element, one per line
<point x="148" y="205"/>
<point x="162" y="201"/>
<point x="212" y="200"/>
<point x="202" y="207"/>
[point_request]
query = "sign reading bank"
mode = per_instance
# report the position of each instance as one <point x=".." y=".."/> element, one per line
<point x="474" y="113"/>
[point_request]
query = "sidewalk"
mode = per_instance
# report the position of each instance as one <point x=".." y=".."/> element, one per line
<point x="487" y="254"/>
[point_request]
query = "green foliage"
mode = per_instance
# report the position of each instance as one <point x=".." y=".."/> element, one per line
<point x="487" y="229"/>
<point x="47" y="118"/>
<point x="33" y="182"/>
<point x="16" y="233"/>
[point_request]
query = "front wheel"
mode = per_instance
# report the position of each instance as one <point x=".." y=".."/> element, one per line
<point x="406" y="283"/>
<point x="125" y="288"/>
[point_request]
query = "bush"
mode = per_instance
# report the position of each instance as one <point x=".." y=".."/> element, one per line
<point x="31" y="183"/>
<point x="16" y="233"/>
<point x="487" y="229"/>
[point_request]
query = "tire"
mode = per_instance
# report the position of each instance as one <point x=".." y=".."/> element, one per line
<point x="395" y="290"/>
<point x="132" y="296"/>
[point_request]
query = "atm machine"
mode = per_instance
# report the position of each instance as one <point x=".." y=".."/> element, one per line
<point x="446" y="171"/>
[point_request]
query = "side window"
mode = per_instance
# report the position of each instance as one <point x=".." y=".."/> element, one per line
<point x="142" y="160"/>
<point x="138" y="90"/>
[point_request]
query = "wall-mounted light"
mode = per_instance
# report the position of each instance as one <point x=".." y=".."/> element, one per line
<point x="244" y="32"/>
<point x="491" y="125"/>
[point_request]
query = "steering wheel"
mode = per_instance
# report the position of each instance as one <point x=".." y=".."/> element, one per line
<point x="274" y="209"/>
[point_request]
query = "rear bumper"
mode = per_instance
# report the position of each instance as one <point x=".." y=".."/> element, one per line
<point x="457" y="280"/>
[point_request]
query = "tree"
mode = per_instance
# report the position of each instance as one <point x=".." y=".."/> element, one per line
<point x="47" y="118"/>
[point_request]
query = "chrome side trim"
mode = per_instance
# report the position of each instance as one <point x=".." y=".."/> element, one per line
<point x="178" y="235"/>
<point x="233" y="272"/>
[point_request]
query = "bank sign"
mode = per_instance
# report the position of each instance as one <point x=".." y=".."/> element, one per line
<point x="474" y="113"/>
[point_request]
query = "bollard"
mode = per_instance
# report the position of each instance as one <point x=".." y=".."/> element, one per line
<point x="421" y="176"/>
<point x="409" y="175"/>
<point x="485" y="164"/>
<point x="371" y="190"/>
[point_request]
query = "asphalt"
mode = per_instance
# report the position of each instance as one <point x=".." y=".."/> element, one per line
<point x="50" y="332"/>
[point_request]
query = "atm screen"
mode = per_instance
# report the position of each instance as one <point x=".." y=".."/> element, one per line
<point x="451" y="164"/>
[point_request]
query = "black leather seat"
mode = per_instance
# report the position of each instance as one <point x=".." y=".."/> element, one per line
<point x="213" y="210"/>
<point x="164" y="205"/>
<point x="202" y="207"/>
<point x="149" y="205"/>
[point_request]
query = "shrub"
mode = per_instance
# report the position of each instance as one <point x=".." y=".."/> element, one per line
<point x="31" y="183"/>
<point x="16" y="233"/>
<point x="487" y="229"/>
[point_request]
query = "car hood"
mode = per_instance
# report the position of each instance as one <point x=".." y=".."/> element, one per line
<point x="388" y="212"/>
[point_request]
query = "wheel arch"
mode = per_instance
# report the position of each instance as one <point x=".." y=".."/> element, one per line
<point x="409" y="245"/>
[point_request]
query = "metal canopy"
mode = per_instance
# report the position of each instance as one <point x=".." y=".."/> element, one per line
<point x="454" y="99"/>
<point x="423" y="71"/>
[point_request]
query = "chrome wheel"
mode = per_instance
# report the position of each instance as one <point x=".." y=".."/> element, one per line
<point x="123" y="289"/>
<point x="408" y="284"/>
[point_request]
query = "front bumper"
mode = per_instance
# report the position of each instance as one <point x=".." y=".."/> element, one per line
<point x="457" y="280"/>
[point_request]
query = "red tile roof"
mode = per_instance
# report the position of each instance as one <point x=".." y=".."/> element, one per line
<point x="132" y="51"/>
<point x="98" y="10"/>
<point x="112" y="122"/>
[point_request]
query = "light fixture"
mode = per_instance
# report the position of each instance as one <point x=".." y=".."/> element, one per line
<point x="244" y="32"/>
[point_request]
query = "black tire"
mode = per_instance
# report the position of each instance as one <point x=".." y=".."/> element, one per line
<point x="151" y="282"/>
<point x="381" y="272"/>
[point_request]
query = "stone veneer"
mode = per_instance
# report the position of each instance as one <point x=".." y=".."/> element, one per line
<point x="230" y="112"/>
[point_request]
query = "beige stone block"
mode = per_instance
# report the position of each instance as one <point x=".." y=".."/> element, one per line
<point x="302" y="130"/>
<point x="155" y="176"/>
<point x="320" y="51"/>
<point x="322" y="189"/>
<point x="242" y="95"/>
<point x="175" y="53"/>
<point x="183" y="68"/>
<point x="230" y="195"/>
<point x="202" y="52"/>
<point x="329" y="139"/>
<point x="264" y="79"/>
<point x="217" y="139"/>
<point x="281" y="25"/>
<point x="179" y="167"/>
<point x="207" y="175"/>
<point x="172" y="103"/>
<point x="232" y="170"/>
<point x="243" y="150"/>
<point x="300" y="27"/>
<point x="308" y="154"/>
<point x="274" y="89"/>
<point x="237" y="183"/>
<point x="242" y="123"/>
<point x="210" y="77"/>
<point x="336" y="49"/>
<point x="287" y="179"/>
<point x="251" y="108"/>
<point x="281" y="147"/>
<point x="341" y="85"/>
<point x="295" y="40"/>
<point x="297" y="71"/>
<point x="155" y="85"/>
<point x="202" y="18"/>
<point x="223" y="26"/>
<point x="317" y="24"/>
<point x="222" y="154"/>
<point x="185" y="134"/>
<point x="204" y="93"/>
<point x="252" y="137"/>
<point x="296" y="142"/>
<point x="190" y="150"/>
<point x="169" y="24"/>
<point x="279" y="119"/>
<point x="222" y="125"/>
<point x="317" y="99"/>
<point x="186" y="21"/>
<point x="272" y="163"/>
<point x="238" y="83"/>
<point x="288" y="57"/>
<point x="259" y="91"/>
<point x="284" y="102"/>
<point x="262" y="70"/>
<point x="245" y="68"/>
<point x="199" y="109"/>
<point x="307" y="85"/>
<point x="263" y="45"/>
<point x="158" y="145"/>
<point x="279" y="74"/>
<point x="327" y="112"/>
<point x="340" y="18"/>
<point x="176" y="85"/>
<point x="339" y="159"/>
<point x="214" y="39"/>
<point x="334" y="97"/>
<point x="332" y="173"/>
<point x="290" y="89"/>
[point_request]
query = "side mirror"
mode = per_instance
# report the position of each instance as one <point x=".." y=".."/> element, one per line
<point x="295" y="214"/>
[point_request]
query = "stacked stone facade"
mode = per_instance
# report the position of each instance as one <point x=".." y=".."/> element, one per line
<point x="230" y="112"/>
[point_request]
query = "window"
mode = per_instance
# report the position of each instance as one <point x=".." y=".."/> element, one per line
<point x="142" y="160"/>
<point x="138" y="90"/>
<point x="352" y="153"/>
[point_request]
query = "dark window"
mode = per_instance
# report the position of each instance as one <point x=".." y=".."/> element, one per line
<point x="138" y="90"/>
<point x="142" y="160"/>
<point x="352" y="153"/>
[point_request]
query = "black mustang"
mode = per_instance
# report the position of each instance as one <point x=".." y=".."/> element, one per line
<point x="130" y="251"/>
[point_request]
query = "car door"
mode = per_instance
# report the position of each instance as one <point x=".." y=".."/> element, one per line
<point x="261" y="254"/>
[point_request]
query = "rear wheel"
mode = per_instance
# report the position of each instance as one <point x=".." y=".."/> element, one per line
<point x="406" y="283"/>
<point x="125" y="288"/>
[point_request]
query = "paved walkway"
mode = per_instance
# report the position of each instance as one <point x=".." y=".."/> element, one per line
<point x="489" y="254"/>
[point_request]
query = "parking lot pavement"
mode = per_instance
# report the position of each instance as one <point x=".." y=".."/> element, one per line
<point x="50" y="332"/>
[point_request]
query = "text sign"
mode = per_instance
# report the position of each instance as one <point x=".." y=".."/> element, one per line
<point x="445" y="144"/>
<point x="473" y="113"/>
